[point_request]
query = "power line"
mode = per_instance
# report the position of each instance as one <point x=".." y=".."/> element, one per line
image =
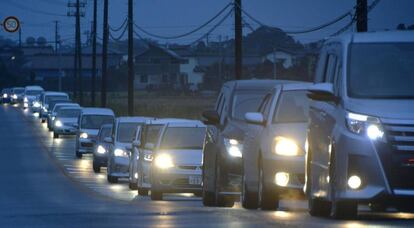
<point x="120" y="27"/>
<point x="120" y="36"/>
<point x="32" y="10"/>
<point x="187" y="33"/>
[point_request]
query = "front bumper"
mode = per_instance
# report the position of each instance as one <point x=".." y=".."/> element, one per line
<point x="65" y="130"/>
<point x="176" y="180"/>
<point x="85" y="146"/>
<point x="294" y="166"/>
<point x="101" y="159"/>
<point x="120" y="167"/>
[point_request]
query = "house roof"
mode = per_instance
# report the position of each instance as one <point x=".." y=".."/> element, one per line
<point x="167" y="51"/>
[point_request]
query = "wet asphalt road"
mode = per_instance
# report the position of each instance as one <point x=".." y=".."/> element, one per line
<point x="43" y="184"/>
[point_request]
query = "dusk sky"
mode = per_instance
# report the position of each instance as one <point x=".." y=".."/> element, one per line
<point x="169" y="17"/>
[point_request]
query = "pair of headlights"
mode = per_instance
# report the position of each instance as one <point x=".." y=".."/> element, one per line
<point x="283" y="146"/>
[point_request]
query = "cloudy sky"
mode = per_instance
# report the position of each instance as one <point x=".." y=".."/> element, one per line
<point x="170" y="17"/>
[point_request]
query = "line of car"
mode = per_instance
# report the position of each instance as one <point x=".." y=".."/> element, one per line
<point x="346" y="139"/>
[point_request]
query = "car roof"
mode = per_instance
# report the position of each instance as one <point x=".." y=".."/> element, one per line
<point x="34" y="88"/>
<point x="97" y="111"/>
<point x="256" y="84"/>
<point x="18" y="88"/>
<point x="296" y="86"/>
<point x="133" y="119"/>
<point x="52" y="93"/>
<point x="166" y="121"/>
<point x="71" y="107"/>
<point x="375" y="37"/>
<point x="187" y="123"/>
<point x="68" y="104"/>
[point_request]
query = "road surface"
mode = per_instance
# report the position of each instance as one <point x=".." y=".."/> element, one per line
<point x="43" y="184"/>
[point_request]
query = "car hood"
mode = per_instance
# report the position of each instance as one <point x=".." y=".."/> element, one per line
<point x="390" y="109"/>
<point x="293" y="131"/>
<point x="184" y="156"/>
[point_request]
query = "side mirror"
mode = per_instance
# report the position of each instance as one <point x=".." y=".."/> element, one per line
<point x="254" y="118"/>
<point x="212" y="117"/>
<point x="150" y="146"/>
<point x="136" y="143"/>
<point x="322" y="92"/>
<point x="108" y="140"/>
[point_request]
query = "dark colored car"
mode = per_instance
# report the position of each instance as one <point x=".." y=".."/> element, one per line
<point x="100" y="152"/>
<point x="222" y="154"/>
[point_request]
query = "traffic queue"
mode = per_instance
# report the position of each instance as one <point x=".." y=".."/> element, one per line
<point x="344" y="140"/>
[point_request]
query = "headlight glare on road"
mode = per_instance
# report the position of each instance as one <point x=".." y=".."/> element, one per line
<point x="233" y="147"/>
<point x="164" y="161"/>
<point x="58" y="123"/>
<point x="120" y="153"/>
<point x="83" y="135"/>
<point x="100" y="150"/>
<point x="362" y="124"/>
<point x="286" y="147"/>
<point x="354" y="182"/>
<point x="282" y="179"/>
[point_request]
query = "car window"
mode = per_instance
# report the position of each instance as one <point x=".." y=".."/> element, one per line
<point x="126" y="132"/>
<point x="18" y="91"/>
<point x="183" y="138"/>
<point x="292" y="107"/>
<point x="105" y="132"/>
<point x="246" y="101"/>
<point x="95" y="121"/>
<point x="69" y="113"/>
<point x="151" y="134"/>
<point x="33" y="92"/>
<point x="49" y="98"/>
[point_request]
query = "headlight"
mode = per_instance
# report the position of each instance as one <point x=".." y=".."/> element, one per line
<point x="14" y="96"/>
<point x="58" y="123"/>
<point x="120" y="153"/>
<point x="44" y="109"/>
<point x="5" y="95"/>
<point x="362" y="124"/>
<point x="36" y="104"/>
<point x="233" y="147"/>
<point x="53" y="118"/>
<point x="164" y="161"/>
<point x="148" y="157"/>
<point x="286" y="147"/>
<point x="100" y="149"/>
<point x="26" y="100"/>
<point x="83" y="135"/>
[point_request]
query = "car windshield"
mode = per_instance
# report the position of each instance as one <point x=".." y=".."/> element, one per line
<point x="246" y="101"/>
<point x="183" y="138"/>
<point x="50" y="98"/>
<point x="381" y="70"/>
<point x="68" y="113"/>
<point x="18" y="91"/>
<point x="126" y="132"/>
<point x="57" y="108"/>
<point x="95" y="121"/>
<point x="105" y="132"/>
<point x="151" y="134"/>
<point x="293" y="107"/>
<point x="33" y="92"/>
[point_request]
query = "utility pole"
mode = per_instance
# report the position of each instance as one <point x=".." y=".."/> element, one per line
<point x="362" y="15"/>
<point x="57" y="43"/>
<point x="93" y="81"/>
<point x="56" y="35"/>
<point x="78" y="46"/>
<point x="274" y="63"/>
<point x="20" y="37"/>
<point x="131" y="72"/>
<point x="238" y="39"/>
<point x="104" y="53"/>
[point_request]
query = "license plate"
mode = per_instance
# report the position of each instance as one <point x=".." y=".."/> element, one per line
<point x="194" y="180"/>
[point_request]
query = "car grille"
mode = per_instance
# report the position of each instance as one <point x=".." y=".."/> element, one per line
<point x="397" y="159"/>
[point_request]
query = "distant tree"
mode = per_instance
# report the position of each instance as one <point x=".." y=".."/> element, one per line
<point x="401" y="27"/>
<point x="411" y="27"/>
<point x="41" y="41"/>
<point x="30" y="41"/>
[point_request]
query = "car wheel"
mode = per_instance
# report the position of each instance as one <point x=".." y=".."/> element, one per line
<point x="96" y="167"/>
<point x="249" y="198"/>
<point x="268" y="195"/>
<point x="142" y="191"/>
<point x="317" y="207"/>
<point x="132" y="186"/>
<point x="112" y="179"/>
<point x="78" y="155"/>
<point x="208" y="196"/>
<point x="55" y="135"/>
<point x="156" y="195"/>
<point x="221" y="200"/>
